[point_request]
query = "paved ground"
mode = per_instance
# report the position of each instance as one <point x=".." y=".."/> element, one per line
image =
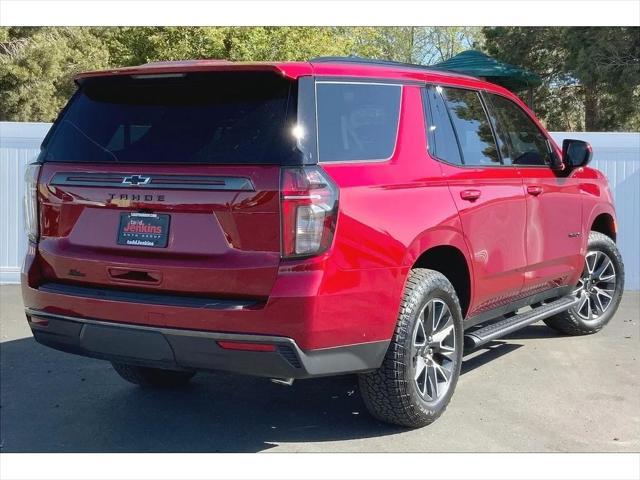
<point x="535" y="391"/>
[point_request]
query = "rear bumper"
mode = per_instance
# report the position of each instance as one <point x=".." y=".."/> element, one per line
<point x="180" y="349"/>
<point x="353" y="307"/>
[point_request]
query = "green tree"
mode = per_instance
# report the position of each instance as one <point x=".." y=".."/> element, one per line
<point x="36" y="69"/>
<point x="37" y="63"/>
<point x="137" y="45"/>
<point x="290" y="43"/>
<point x="421" y="45"/>
<point x="591" y="75"/>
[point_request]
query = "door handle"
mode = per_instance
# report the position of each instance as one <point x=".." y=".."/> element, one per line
<point x="470" y="195"/>
<point x="534" y="190"/>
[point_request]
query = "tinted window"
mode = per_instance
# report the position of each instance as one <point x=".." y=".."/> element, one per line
<point x="357" y="121"/>
<point x="442" y="138"/>
<point x="224" y="117"/>
<point x="525" y="144"/>
<point x="472" y="127"/>
<point x="500" y="136"/>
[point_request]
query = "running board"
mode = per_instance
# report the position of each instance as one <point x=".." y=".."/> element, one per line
<point x="483" y="335"/>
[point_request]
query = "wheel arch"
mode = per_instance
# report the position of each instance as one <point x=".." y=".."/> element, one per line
<point x="445" y="251"/>
<point x="452" y="263"/>
<point x="605" y="224"/>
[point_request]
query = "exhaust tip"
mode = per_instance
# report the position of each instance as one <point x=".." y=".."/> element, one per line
<point x="282" y="381"/>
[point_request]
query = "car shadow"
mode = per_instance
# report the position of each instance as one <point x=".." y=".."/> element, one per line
<point x="55" y="402"/>
<point x="485" y="354"/>
<point x="533" y="331"/>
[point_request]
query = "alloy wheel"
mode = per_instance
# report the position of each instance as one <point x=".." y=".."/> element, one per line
<point x="596" y="287"/>
<point x="433" y="350"/>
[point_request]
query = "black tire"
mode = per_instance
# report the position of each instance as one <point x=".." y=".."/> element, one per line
<point x="390" y="393"/>
<point x="152" y="377"/>
<point x="572" y="322"/>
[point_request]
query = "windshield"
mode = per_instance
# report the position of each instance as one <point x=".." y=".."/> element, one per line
<point x="219" y="118"/>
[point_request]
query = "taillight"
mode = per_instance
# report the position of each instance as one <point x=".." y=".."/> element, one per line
<point x="309" y="211"/>
<point x="31" y="202"/>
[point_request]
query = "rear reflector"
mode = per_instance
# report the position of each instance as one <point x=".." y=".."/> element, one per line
<point x="38" y="321"/>
<point x="255" y="347"/>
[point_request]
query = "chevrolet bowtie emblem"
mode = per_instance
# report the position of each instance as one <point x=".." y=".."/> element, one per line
<point x="136" y="180"/>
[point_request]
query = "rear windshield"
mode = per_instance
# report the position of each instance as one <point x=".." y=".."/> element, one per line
<point x="219" y="118"/>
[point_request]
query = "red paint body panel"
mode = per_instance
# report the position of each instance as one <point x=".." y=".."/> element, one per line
<point x="493" y="225"/>
<point x="212" y="246"/>
<point x="554" y="230"/>
<point x="227" y="244"/>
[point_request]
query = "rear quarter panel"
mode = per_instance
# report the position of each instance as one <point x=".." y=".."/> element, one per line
<point x="390" y="213"/>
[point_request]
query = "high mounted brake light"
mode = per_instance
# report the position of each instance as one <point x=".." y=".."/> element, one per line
<point x="309" y="200"/>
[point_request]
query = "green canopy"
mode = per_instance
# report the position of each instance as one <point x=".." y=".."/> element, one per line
<point x="478" y="64"/>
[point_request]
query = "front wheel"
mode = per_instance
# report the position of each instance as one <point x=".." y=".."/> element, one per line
<point x="599" y="289"/>
<point x="419" y="373"/>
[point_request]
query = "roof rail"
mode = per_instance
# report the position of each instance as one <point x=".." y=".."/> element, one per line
<point x="389" y="63"/>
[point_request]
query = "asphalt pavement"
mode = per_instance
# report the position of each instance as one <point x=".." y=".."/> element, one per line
<point x="534" y="391"/>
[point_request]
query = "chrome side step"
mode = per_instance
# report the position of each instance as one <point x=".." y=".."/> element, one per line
<point x="483" y="335"/>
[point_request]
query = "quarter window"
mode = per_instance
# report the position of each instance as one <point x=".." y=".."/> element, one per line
<point x="357" y="121"/>
<point x="477" y="144"/>
<point x="524" y="142"/>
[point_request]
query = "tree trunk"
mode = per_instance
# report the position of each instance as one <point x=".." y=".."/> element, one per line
<point x="591" y="110"/>
<point x="411" y="41"/>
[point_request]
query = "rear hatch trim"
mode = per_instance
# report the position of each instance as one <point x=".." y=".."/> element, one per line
<point x="143" y="180"/>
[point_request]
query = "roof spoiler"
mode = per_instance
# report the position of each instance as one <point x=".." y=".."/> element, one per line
<point x="187" y="66"/>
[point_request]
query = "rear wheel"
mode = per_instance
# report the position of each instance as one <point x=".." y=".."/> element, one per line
<point x="419" y="373"/>
<point x="152" y="377"/>
<point x="599" y="290"/>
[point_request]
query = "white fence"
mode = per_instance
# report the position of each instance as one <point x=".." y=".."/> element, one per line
<point x="617" y="155"/>
<point x="19" y="145"/>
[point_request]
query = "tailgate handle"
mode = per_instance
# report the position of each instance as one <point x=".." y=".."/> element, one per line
<point x="134" y="276"/>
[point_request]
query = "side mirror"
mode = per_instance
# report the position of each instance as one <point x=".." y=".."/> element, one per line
<point x="556" y="162"/>
<point x="576" y="153"/>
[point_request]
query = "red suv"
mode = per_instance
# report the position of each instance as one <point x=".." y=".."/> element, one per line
<point x="302" y="219"/>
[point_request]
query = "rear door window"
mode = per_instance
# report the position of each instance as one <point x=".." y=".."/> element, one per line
<point x="474" y="132"/>
<point x="524" y="142"/>
<point x="441" y="136"/>
<point x="357" y="121"/>
<point x="213" y="118"/>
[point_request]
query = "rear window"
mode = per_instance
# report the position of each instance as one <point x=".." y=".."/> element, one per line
<point x="219" y="118"/>
<point x="442" y="140"/>
<point x="477" y="144"/>
<point x="357" y="121"/>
